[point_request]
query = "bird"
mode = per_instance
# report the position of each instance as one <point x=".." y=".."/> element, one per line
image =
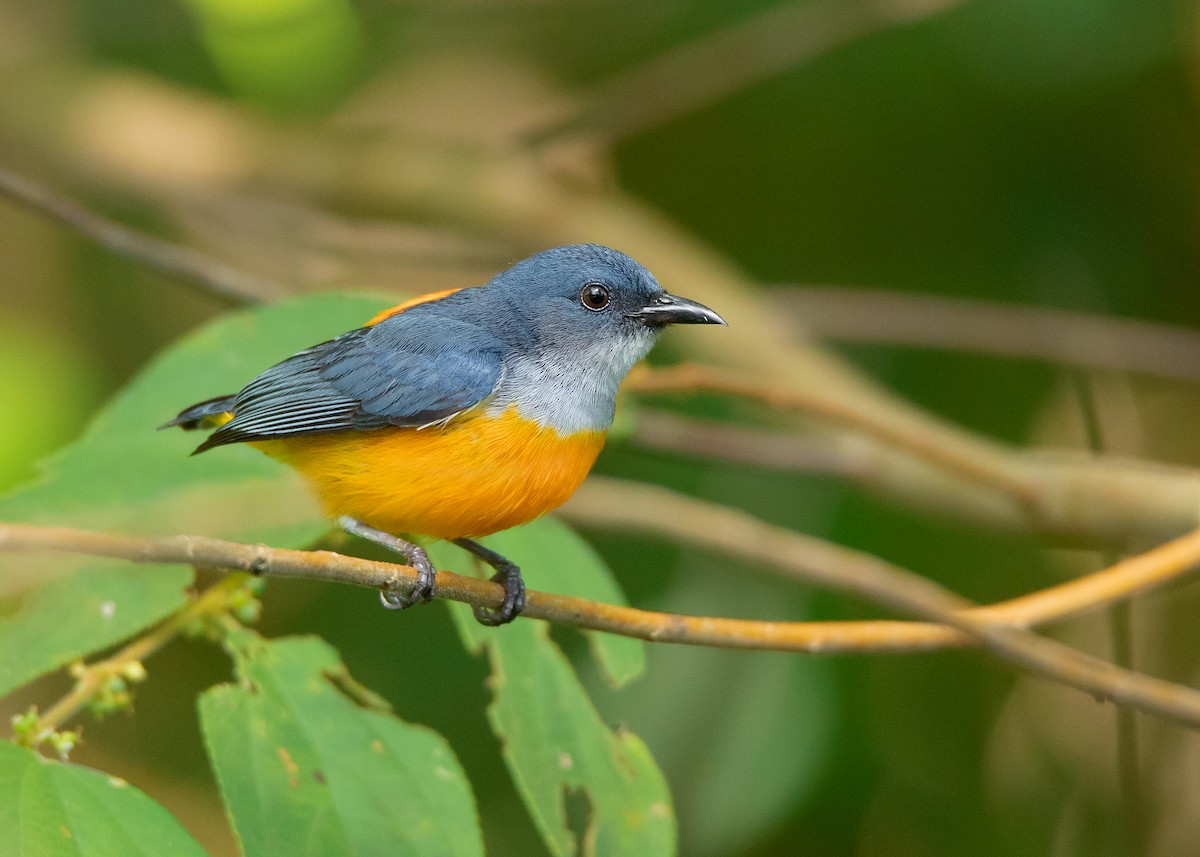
<point x="462" y="412"/>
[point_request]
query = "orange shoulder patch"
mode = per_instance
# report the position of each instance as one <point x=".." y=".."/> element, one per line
<point x="399" y="308"/>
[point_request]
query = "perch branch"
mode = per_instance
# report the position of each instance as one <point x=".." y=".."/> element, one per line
<point x="730" y="531"/>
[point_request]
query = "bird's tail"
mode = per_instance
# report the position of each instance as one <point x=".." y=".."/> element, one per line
<point x="208" y="414"/>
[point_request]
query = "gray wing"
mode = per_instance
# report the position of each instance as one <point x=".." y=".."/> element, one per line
<point x="400" y="372"/>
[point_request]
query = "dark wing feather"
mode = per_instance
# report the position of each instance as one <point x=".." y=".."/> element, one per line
<point x="196" y="416"/>
<point x="409" y="370"/>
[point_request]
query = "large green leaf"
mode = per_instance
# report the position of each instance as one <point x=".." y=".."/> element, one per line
<point x="51" y="809"/>
<point x="122" y="475"/>
<point x="556" y="745"/>
<point x="305" y="770"/>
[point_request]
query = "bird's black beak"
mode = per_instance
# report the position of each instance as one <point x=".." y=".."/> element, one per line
<point x="668" y="309"/>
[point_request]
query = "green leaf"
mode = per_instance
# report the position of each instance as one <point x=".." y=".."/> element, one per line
<point x="44" y="628"/>
<point x="122" y="475"/>
<point x="305" y="770"/>
<point x="51" y="809"/>
<point x="554" y="559"/>
<point x="555" y="743"/>
<point x="768" y="718"/>
<point x="556" y="746"/>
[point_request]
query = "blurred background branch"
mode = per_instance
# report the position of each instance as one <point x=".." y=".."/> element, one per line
<point x="1060" y="337"/>
<point x="191" y="267"/>
<point x="711" y="68"/>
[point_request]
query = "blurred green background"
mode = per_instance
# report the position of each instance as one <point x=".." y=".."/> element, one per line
<point x="1023" y="151"/>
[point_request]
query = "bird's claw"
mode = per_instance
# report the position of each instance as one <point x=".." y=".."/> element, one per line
<point x="425" y="590"/>
<point x="514" y="598"/>
<point x="394" y="601"/>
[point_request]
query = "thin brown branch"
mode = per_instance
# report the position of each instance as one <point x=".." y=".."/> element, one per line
<point x="726" y="61"/>
<point x="733" y="532"/>
<point x="212" y="276"/>
<point x="820" y="404"/>
<point x="1110" y="423"/>
<point x="309" y="247"/>
<point x="635" y="507"/>
<point x="1100" y="500"/>
<point x="1098" y="487"/>
<point x="1060" y="336"/>
<point x="779" y="451"/>
<point x="726" y="529"/>
<point x="94" y="677"/>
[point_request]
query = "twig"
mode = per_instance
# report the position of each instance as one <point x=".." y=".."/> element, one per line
<point x="737" y="534"/>
<point x="734" y="57"/>
<point x="633" y="506"/>
<point x="729" y="530"/>
<point x="94" y="677"/>
<point x="1103" y="429"/>
<point x="779" y="451"/>
<point x="691" y="378"/>
<point x="213" y="276"/>
<point x="1129" y="496"/>
<point x="1061" y="336"/>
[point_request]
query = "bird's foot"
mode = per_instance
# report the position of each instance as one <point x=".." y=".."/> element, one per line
<point x="514" y="598"/>
<point x="423" y="592"/>
<point x="508" y="575"/>
<point x="413" y="554"/>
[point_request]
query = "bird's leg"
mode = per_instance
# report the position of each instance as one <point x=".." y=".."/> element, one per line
<point x="507" y="575"/>
<point x="413" y="554"/>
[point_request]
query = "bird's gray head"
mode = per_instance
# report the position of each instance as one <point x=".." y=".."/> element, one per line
<point x="576" y="294"/>
<point x="581" y="317"/>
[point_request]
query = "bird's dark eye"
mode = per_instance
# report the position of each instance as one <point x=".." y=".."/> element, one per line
<point x="594" y="296"/>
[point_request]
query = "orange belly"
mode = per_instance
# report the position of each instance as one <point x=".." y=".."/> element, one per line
<point x="472" y="477"/>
